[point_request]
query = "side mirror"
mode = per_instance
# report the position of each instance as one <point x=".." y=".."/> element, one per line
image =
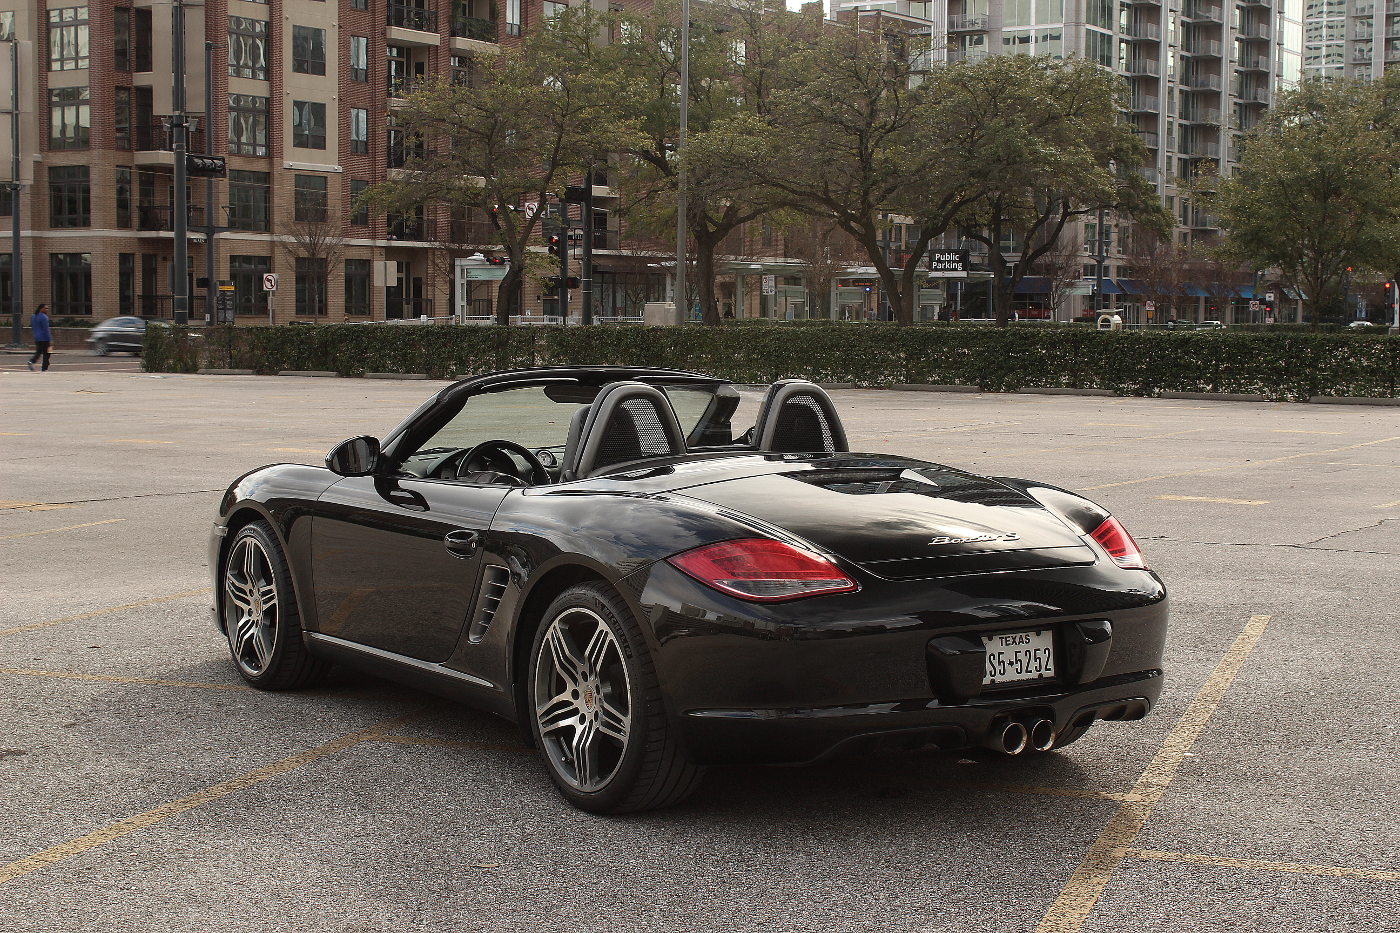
<point x="358" y="456"/>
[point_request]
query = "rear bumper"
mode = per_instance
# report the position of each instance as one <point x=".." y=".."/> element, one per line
<point x="803" y="735"/>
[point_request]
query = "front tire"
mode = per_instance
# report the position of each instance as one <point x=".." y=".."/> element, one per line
<point x="100" y="348"/>
<point x="260" y="614"/>
<point x="595" y="708"/>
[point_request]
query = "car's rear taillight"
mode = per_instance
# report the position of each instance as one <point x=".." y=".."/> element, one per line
<point x="762" y="569"/>
<point x="1114" y="539"/>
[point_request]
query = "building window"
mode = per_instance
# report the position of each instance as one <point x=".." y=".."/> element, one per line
<point x="308" y="125"/>
<point x="70" y="118"/>
<point x="7" y="31"/>
<point x="359" y="58"/>
<point x="462" y="70"/>
<point x="126" y="284"/>
<point x="310" y="286"/>
<point x="248" y="205"/>
<point x="247" y="125"/>
<point x="308" y="50"/>
<point x="513" y="19"/>
<point x="359" y="130"/>
<point x="121" y="117"/>
<point x="552" y="9"/>
<point x="309" y="198"/>
<point x="68" y="38"/>
<point x="70" y="196"/>
<point x="359" y="4"/>
<point x="247" y="48"/>
<point x="70" y="284"/>
<point x="357" y="287"/>
<point x="246" y="274"/>
<point x="141" y="40"/>
<point x="7" y="204"/>
<point x="121" y="38"/>
<point x="359" y="213"/>
<point x="123" y="191"/>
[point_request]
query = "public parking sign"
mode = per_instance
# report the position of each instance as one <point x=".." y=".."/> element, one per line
<point x="948" y="264"/>
<point x="269" y="281"/>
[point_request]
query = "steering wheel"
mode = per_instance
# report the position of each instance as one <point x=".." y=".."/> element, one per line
<point x="492" y="456"/>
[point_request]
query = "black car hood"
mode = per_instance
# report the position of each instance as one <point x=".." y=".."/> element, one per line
<point x="899" y="518"/>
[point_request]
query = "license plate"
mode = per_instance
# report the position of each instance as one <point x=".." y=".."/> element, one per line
<point x="1016" y="656"/>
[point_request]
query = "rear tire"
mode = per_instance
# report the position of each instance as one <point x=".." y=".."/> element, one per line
<point x="260" y="616"/>
<point x="99" y="348"/>
<point x="595" y="710"/>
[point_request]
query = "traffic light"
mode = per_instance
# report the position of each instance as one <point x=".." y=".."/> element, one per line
<point x="556" y="244"/>
<point x="496" y="260"/>
<point x="572" y="282"/>
<point x="207" y="166"/>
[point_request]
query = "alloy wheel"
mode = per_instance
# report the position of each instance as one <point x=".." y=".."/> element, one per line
<point x="583" y="707"/>
<point x="250" y="608"/>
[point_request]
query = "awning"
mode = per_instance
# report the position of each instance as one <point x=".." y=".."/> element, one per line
<point x="1130" y="286"/>
<point x="1110" y="287"/>
<point x="1033" y="285"/>
<point x="1244" y="291"/>
<point x="1194" y="291"/>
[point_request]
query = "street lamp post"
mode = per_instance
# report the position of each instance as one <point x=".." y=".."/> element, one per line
<point x="681" y="302"/>
<point x="179" y="272"/>
<point x="16" y="262"/>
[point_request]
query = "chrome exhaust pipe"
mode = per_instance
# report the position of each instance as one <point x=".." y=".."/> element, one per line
<point x="1013" y="738"/>
<point x="1042" y="735"/>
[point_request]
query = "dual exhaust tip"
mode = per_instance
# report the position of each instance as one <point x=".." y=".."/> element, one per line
<point x="1017" y="736"/>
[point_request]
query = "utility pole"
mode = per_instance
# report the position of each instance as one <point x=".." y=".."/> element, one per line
<point x="16" y="262"/>
<point x="586" y="275"/>
<point x="211" y="312"/>
<point x="682" y="303"/>
<point x="1098" y="268"/>
<point x="179" y="267"/>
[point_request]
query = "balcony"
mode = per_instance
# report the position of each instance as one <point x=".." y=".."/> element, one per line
<point x="1203" y="150"/>
<point x="1254" y="95"/>
<point x="1201" y="115"/>
<point x="412" y="228"/>
<point x="154" y="136"/>
<point x="967" y="24"/>
<point x="1203" y="13"/>
<point x="1149" y="138"/>
<point x="1150" y="173"/>
<point x="1202" y="82"/>
<point x="472" y="27"/>
<point x="411" y="25"/>
<point x="162" y="217"/>
<point x="967" y="55"/>
<point x="1203" y="221"/>
<point x="1145" y="103"/>
<point x="1210" y="48"/>
<point x="1143" y="66"/>
<point x="1254" y="31"/>
<point x="1144" y="2"/>
<point x="398" y="155"/>
<point x="473" y="233"/>
<point x="1144" y="32"/>
<point x="1252" y="63"/>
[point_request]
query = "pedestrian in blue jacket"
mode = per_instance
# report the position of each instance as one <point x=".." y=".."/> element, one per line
<point x="43" y="337"/>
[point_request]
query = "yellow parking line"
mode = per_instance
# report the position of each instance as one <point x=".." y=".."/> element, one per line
<point x="1296" y="431"/>
<point x="1079" y="895"/>
<point x="1326" y="871"/>
<point x="1116" y="424"/>
<point x="1236" y="466"/>
<point x="1389" y="505"/>
<point x="1213" y="499"/>
<point x="13" y="434"/>
<point x="110" y="678"/>
<point x="136" y="440"/>
<point x="295" y="450"/>
<point x="33" y="506"/>
<point x="49" y="531"/>
<point x="75" y="847"/>
<point x="450" y="743"/>
<point x="102" y="612"/>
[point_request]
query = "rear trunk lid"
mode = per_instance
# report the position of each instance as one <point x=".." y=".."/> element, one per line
<point x="907" y="523"/>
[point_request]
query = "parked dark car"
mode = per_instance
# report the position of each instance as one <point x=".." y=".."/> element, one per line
<point x="598" y="555"/>
<point x="118" y="333"/>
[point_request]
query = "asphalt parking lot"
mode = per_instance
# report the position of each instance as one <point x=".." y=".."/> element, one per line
<point x="143" y="787"/>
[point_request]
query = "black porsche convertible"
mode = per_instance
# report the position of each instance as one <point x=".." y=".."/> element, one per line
<point x="599" y="554"/>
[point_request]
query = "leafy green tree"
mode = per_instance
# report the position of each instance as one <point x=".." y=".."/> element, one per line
<point x="1053" y="151"/>
<point x="736" y="53"/>
<point x="1317" y="190"/>
<point x="535" y="118"/>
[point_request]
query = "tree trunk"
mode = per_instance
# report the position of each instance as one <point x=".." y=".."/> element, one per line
<point x="508" y="295"/>
<point x="705" y="278"/>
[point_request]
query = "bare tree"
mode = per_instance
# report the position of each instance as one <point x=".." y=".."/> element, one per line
<point x="1063" y="269"/>
<point x="825" y="251"/>
<point x="315" y="243"/>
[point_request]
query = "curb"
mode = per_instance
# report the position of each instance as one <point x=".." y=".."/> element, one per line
<point x="1352" y="400"/>
<point x="836" y="385"/>
<point x="1215" y="396"/>
<point x="226" y="372"/>
<point x="308" y="372"/>
<point x="921" y="387"/>
<point x="393" y="375"/>
<point x="1052" y="390"/>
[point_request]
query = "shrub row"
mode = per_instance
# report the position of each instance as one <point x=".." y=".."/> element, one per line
<point x="1280" y="365"/>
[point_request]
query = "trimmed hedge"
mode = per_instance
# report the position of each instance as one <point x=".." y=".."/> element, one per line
<point x="1288" y="365"/>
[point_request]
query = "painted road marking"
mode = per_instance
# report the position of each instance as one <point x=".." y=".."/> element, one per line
<point x="1236" y="466"/>
<point x="1327" y="871"/>
<point x="109" y="678"/>
<point x="295" y="450"/>
<point x="1087" y="884"/>
<point x="1296" y="431"/>
<point x="1389" y="505"/>
<point x="102" y="612"/>
<point x="136" y="440"/>
<point x="13" y="434"/>
<point x="1117" y="424"/>
<point x="1067" y="792"/>
<point x="1213" y="499"/>
<point x="1102" y="442"/>
<point x="34" y="506"/>
<point x="75" y="847"/>
<point x="451" y="743"/>
<point x="49" y="531"/>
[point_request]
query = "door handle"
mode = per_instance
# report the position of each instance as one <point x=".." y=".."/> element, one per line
<point x="408" y="499"/>
<point x="462" y="543"/>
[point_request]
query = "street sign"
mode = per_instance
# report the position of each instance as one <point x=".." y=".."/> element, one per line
<point x="1268" y="296"/>
<point x="1255" y="305"/>
<point x="1149" y="306"/>
<point x="770" y="285"/>
<point x="948" y="264"/>
<point x="269" y="281"/>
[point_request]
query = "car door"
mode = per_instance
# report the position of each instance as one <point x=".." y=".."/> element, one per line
<point x="396" y="561"/>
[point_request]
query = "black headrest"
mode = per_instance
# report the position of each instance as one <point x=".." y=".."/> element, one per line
<point x="627" y="421"/>
<point x="797" y="416"/>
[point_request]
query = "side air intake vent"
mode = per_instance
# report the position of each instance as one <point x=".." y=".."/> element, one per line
<point x="493" y="587"/>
